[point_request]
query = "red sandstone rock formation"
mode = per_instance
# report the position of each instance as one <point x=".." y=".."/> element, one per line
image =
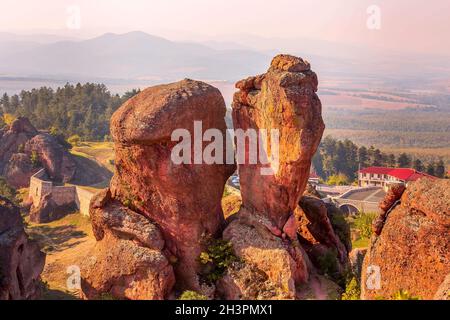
<point x="390" y="200"/>
<point x="318" y="235"/>
<point x="48" y="210"/>
<point x="263" y="231"/>
<point x="19" y="170"/>
<point x="284" y="99"/>
<point x="182" y="201"/>
<point x="12" y="140"/>
<point x="21" y="261"/>
<point x="356" y="257"/>
<point x="57" y="161"/>
<point x="412" y="249"/>
<point x="19" y="141"/>
<point x="127" y="260"/>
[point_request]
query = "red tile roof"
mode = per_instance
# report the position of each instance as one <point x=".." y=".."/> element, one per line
<point x="376" y="170"/>
<point x="399" y="173"/>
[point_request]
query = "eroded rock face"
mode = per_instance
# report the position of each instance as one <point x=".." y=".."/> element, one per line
<point x="19" y="170"/>
<point x="17" y="144"/>
<point x="392" y="197"/>
<point x="56" y="160"/>
<point x="182" y="200"/>
<point x="21" y="261"/>
<point x="282" y="261"/>
<point x="317" y="234"/>
<point x="413" y="246"/>
<point x="127" y="260"/>
<point x="356" y="258"/>
<point x="48" y="210"/>
<point x="12" y="140"/>
<point x="443" y="292"/>
<point x="264" y="231"/>
<point x="284" y="99"/>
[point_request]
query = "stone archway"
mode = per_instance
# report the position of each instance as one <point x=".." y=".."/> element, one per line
<point x="349" y="209"/>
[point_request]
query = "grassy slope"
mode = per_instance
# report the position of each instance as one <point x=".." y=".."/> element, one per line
<point x="65" y="242"/>
<point x="95" y="159"/>
<point x="102" y="152"/>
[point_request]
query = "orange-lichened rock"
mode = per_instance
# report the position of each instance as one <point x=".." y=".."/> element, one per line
<point x="412" y="250"/>
<point x="127" y="260"/>
<point x="282" y="99"/>
<point x="263" y="231"/>
<point x="182" y="201"/>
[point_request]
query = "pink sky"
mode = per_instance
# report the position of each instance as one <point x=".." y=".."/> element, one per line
<point x="406" y="25"/>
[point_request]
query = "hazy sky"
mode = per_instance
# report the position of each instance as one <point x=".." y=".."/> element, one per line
<point x="407" y="25"/>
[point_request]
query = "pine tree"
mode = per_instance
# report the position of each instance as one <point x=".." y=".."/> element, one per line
<point x="404" y="161"/>
<point x="363" y="157"/>
<point x="4" y="103"/>
<point x="439" y="170"/>
<point x="430" y="169"/>
<point x="418" y="165"/>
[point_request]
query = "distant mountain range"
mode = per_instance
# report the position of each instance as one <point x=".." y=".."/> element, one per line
<point x="134" y="55"/>
<point x="140" y="56"/>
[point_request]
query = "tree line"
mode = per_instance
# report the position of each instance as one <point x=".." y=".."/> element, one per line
<point x="82" y="109"/>
<point x="338" y="161"/>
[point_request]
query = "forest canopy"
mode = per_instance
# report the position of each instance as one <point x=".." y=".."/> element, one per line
<point x="81" y="109"/>
<point x="336" y="159"/>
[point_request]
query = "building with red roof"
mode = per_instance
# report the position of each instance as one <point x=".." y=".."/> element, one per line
<point x="383" y="177"/>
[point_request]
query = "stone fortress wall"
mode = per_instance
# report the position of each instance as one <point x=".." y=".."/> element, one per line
<point x="62" y="195"/>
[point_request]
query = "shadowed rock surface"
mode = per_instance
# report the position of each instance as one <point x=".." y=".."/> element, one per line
<point x="19" y="170"/>
<point x="56" y="160"/>
<point x="317" y="234"/>
<point x="48" y="210"/>
<point x="21" y="261"/>
<point x="412" y="249"/>
<point x="17" y="144"/>
<point x="12" y="141"/>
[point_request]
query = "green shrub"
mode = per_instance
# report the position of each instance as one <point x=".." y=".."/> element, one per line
<point x="217" y="258"/>
<point x="364" y="224"/>
<point x="328" y="263"/>
<point x="352" y="290"/>
<point x="338" y="180"/>
<point x="74" y="140"/>
<point x="106" y="296"/>
<point x="7" y="191"/>
<point x="192" y="295"/>
<point x="404" y="295"/>
<point x="340" y="225"/>
<point x="34" y="157"/>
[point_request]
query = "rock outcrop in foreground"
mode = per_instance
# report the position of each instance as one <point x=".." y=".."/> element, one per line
<point x="157" y="220"/>
<point x="264" y="231"/>
<point x="21" y="261"/>
<point x="282" y="99"/>
<point x="411" y="243"/>
<point x="156" y="211"/>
